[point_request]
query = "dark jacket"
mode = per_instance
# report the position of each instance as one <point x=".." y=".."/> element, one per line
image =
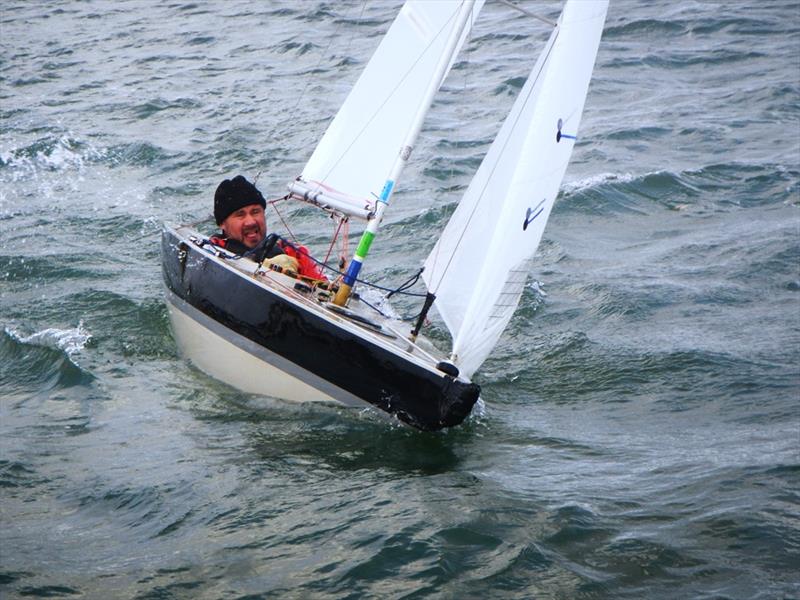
<point x="273" y="245"/>
<point x="268" y="248"/>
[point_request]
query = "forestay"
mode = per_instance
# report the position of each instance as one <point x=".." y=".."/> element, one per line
<point x="480" y="265"/>
<point x="352" y="162"/>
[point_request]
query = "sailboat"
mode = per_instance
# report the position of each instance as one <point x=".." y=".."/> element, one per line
<point x="271" y="332"/>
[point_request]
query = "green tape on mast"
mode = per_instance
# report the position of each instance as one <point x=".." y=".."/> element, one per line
<point x="364" y="244"/>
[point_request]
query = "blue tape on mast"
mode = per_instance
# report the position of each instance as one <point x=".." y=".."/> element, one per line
<point x="352" y="273"/>
<point x="387" y="190"/>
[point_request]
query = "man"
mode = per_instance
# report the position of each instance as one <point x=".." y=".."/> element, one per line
<point x="239" y="212"/>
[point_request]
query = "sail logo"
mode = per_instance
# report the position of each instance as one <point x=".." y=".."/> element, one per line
<point x="560" y="135"/>
<point x="531" y="214"/>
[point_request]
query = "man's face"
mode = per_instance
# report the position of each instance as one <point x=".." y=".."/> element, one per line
<point x="248" y="225"/>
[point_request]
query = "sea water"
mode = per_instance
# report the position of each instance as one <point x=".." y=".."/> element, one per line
<point x="638" y="435"/>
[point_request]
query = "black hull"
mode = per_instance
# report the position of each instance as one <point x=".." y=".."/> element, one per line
<point x="349" y="359"/>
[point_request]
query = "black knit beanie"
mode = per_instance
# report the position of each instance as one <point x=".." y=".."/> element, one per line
<point x="233" y="194"/>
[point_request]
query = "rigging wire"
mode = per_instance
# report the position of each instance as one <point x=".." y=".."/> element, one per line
<point x="527" y="12"/>
<point x="280" y="216"/>
<point x="342" y="223"/>
<point x="400" y="290"/>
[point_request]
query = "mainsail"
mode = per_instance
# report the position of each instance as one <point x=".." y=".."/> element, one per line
<point x="479" y="267"/>
<point x="354" y="158"/>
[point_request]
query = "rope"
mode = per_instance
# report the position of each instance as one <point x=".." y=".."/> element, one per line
<point x="529" y="13"/>
<point x="399" y="290"/>
<point x="342" y="222"/>
<point x="324" y="264"/>
<point x="404" y="286"/>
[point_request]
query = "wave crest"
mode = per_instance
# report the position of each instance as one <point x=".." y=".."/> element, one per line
<point x="64" y="153"/>
<point x="70" y="341"/>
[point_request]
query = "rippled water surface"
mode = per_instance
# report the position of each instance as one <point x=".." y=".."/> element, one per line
<point x="639" y="435"/>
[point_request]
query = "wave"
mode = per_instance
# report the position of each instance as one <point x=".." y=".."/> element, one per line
<point x="68" y="152"/>
<point x="647" y="27"/>
<point x="69" y="340"/>
<point x="42" y="361"/>
<point x="571" y="187"/>
<point x="739" y="20"/>
<point x="15" y="474"/>
<point x="136" y="506"/>
<point x="722" y="186"/>
<point x="158" y="105"/>
<point x="141" y="329"/>
<point x="714" y="187"/>
<point x="571" y="367"/>
<point x="50" y="153"/>
<point x="33" y="271"/>
<point x="680" y="60"/>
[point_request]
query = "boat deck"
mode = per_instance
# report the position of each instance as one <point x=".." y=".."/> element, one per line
<point x="380" y="328"/>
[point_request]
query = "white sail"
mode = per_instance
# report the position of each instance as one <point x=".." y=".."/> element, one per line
<point x="480" y="265"/>
<point x="354" y="158"/>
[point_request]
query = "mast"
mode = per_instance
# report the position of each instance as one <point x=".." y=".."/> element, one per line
<point x="345" y="288"/>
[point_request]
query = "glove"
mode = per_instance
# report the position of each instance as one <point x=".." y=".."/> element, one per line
<point x="286" y="263"/>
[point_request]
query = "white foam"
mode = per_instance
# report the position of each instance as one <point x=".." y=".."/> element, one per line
<point x="570" y="187"/>
<point x="379" y="300"/>
<point x="67" y="154"/>
<point x="68" y="340"/>
<point x="536" y="286"/>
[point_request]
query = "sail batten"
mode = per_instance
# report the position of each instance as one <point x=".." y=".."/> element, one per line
<point x="479" y="266"/>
